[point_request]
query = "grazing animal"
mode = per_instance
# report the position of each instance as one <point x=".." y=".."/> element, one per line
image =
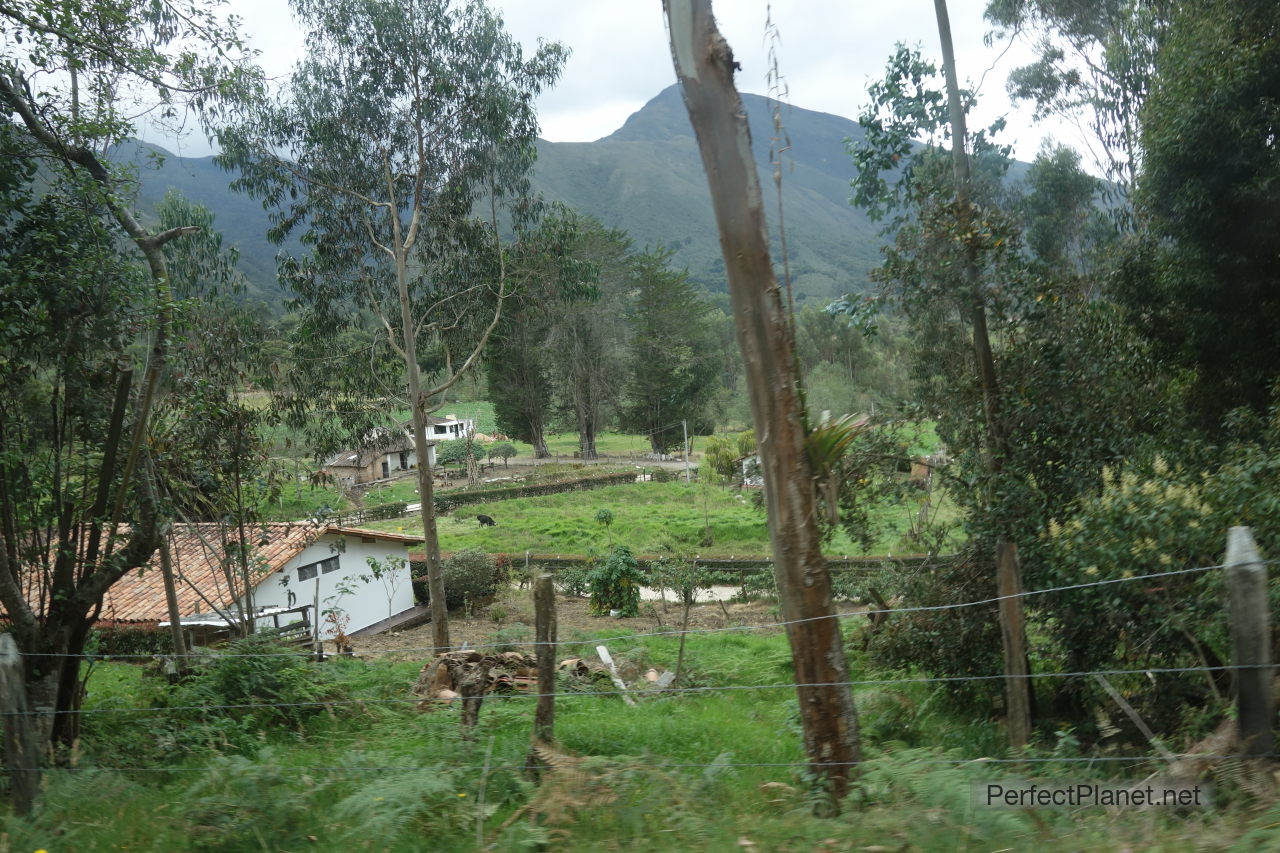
<point x="486" y="521"/>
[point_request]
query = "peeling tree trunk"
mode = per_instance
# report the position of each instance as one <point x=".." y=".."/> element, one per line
<point x="704" y="66"/>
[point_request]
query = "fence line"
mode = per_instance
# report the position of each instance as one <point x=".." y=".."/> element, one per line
<point x="721" y="629"/>
<point x="670" y="691"/>
<point x="1110" y="759"/>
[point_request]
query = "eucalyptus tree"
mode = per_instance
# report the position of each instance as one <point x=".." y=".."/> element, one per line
<point x="1095" y="62"/>
<point x="77" y="503"/>
<point x="402" y="121"/>
<point x="212" y="461"/>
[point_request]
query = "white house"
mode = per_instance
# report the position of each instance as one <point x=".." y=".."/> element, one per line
<point x="292" y="565"/>
<point x="449" y="427"/>
<point x="336" y="570"/>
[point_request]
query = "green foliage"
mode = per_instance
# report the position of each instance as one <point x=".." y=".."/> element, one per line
<point x="503" y="450"/>
<point x="941" y="643"/>
<point x="129" y="641"/>
<point x="683" y="576"/>
<point x="453" y="452"/>
<point x="616" y="583"/>
<point x="1154" y="516"/>
<point x="471" y="577"/>
<point x="256" y="670"/>
<point x="1206" y="215"/>
<point x="575" y="581"/>
<point x="672" y="362"/>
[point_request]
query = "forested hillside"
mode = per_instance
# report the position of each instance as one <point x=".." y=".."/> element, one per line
<point x="644" y="178"/>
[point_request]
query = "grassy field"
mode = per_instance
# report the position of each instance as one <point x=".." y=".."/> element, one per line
<point x="710" y="771"/>
<point x="648" y="518"/>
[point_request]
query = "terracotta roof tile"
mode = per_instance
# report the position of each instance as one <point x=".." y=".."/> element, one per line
<point x="198" y="552"/>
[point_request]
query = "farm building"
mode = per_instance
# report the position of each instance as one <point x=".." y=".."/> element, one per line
<point x="387" y="452"/>
<point x="449" y="427"/>
<point x="293" y="566"/>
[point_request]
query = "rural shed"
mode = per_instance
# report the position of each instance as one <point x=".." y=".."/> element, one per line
<point x="293" y="561"/>
<point x="386" y="453"/>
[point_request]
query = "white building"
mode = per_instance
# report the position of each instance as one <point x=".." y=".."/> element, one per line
<point x="293" y="567"/>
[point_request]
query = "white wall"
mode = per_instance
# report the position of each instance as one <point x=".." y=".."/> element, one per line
<point x="367" y="603"/>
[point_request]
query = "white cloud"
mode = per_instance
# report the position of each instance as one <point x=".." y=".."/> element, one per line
<point x="827" y="53"/>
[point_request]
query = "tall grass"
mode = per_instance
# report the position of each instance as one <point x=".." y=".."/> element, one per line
<point x="676" y="772"/>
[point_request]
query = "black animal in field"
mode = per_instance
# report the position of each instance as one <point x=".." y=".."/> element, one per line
<point x="486" y="521"/>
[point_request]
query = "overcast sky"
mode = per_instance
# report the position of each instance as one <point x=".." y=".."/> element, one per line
<point x="828" y="52"/>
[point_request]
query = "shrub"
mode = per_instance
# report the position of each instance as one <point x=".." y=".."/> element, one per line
<point x="130" y="641"/>
<point x="616" y="584"/>
<point x="661" y="475"/>
<point x="470" y="578"/>
<point x="575" y="580"/>
<point x="956" y="642"/>
<point x="259" y="671"/>
<point x="394" y="509"/>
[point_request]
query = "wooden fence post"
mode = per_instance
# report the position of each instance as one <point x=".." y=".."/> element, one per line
<point x="20" y="755"/>
<point x="1246" y="577"/>
<point x="544" y="607"/>
<point x="1017" y="684"/>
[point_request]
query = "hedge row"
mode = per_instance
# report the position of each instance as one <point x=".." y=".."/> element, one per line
<point x="451" y="500"/>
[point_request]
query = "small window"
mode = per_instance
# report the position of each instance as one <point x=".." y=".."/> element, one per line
<point x="309" y="571"/>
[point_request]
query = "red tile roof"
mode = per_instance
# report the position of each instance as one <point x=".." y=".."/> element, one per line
<point x="197" y="552"/>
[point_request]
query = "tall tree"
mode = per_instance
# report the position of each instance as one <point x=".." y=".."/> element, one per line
<point x="518" y="364"/>
<point x="400" y="122"/>
<point x="589" y="339"/>
<point x="78" y="519"/>
<point x="1095" y="62"/>
<point x="1202" y="282"/>
<point x="672" y="370"/>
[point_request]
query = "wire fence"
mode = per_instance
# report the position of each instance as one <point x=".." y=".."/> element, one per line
<point x="709" y="630"/>
<point x="658" y="694"/>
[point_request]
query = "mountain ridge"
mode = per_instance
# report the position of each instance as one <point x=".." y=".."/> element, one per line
<point x="645" y="177"/>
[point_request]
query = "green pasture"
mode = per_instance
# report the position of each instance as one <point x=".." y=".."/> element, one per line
<point x="649" y="518"/>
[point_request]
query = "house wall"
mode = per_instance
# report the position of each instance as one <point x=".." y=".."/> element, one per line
<point x="367" y="602"/>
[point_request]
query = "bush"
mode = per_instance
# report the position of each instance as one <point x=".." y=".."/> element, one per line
<point x="575" y="581"/>
<point x="944" y="643"/>
<point x="394" y="509"/>
<point x="258" y="670"/>
<point x="130" y="641"/>
<point x="661" y="475"/>
<point x="470" y="578"/>
<point x="616" y="584"/>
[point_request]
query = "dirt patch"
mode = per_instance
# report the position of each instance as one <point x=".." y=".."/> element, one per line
<point x="510" y="619"/>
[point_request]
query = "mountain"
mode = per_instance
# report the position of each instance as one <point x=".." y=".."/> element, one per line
<point x="645" y="178"/>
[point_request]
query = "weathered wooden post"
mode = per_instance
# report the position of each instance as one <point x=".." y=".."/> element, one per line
<point x="472" y="687"/>
<point x="544" y="608"/>
<point x="1017" y="684"/>
<point x="544" y="717"/>
<point x="20" y="755"/>
<point x="1246" y="577"/>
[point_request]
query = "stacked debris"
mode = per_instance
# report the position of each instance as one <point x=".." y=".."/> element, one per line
<point x="454" y="674"/>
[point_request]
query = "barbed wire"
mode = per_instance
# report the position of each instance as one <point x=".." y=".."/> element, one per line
<point x="720" y="629"/>
<point x="670" y="691"/>
<point x="666" y="765"/>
